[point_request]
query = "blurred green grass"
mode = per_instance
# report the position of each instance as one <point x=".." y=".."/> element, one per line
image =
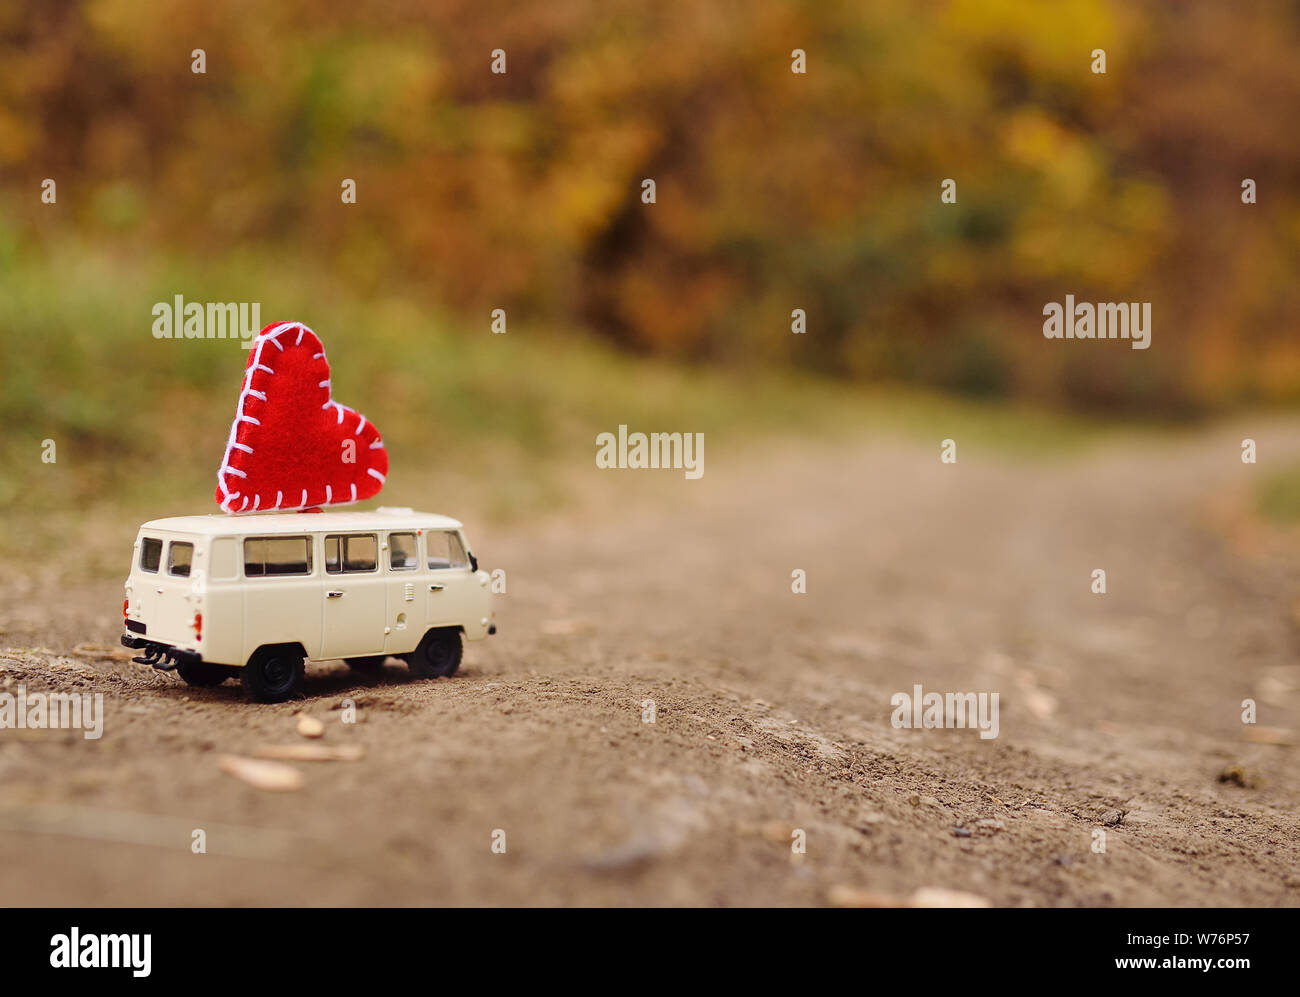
<point x="1277" y="497"/>
<point x="140" y="423"/>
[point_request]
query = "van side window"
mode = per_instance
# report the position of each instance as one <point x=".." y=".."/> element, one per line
<point x="179" y="557"/>
<point x="150" y="554"/>
<point x="446" y="550"/>
<point x="439" y="549"/>
<point x="458" y="558"/>
<point x="277" y="556"/>
<point x="401" y="552"/>
<point x="360" y="552"/>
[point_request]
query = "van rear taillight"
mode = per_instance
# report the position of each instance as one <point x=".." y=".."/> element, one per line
<point x="198" y="626"/>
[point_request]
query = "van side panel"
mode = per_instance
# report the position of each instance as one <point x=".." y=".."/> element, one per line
<point x="406" y="585"/>
<point x="223" y="605"/>
<point x="479" y="609"/>
<point x="223" y="624"/>
<point x="456" y="596"/>
<point x="479" y="615"/>
<point x="354" y="606"/>
<point x="281" y="609"/>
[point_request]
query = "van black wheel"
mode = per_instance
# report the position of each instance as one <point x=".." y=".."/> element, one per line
<point x="203" y="673"/>
<point x="273" y="674"/>
<point x="368" y="665"/>
<point x="438" y="654"/>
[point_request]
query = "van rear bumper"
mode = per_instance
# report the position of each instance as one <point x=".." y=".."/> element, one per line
<point x="164" y="657"/>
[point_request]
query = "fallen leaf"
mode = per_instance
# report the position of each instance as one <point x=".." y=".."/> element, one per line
<point x="311" y="752"/>
<point x="1040" y="704"/>
<point x="852" y="896"/>
<point x="270" y="776"/>
<point x="1271" y="735"/>
<point x="938" y="896"/>
<point x="102" y="651"/>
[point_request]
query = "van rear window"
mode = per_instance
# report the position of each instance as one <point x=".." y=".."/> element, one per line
<point x="277" y="556"/>
<point x="179" y="557"/>
<point x="150" y="554"/>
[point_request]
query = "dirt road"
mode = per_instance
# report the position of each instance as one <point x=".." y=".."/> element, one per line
<point x="1118" y="712"/>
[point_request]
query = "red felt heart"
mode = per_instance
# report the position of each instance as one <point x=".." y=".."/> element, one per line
<point x="291" y="445"/>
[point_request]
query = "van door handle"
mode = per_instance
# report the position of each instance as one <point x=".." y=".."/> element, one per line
<point x="333" y="595"/>
<point x="435" y="588"/>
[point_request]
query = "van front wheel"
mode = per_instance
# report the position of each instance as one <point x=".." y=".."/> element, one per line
<point x="273" y="674"/>
<point x="438" y="654"/>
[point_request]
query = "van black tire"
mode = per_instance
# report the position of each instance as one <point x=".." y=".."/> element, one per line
<point x="273" y="674"/>
<point x="438" y="655"/>
<point x="369" y="665"/>
<point x="203" y="673"/>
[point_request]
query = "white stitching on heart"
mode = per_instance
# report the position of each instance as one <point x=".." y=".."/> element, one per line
<point x="228" y="496"/>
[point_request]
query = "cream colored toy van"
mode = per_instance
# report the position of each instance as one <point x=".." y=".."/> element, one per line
<point x="256" y="596"/>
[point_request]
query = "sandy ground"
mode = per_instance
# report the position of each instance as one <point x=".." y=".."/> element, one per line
<point x="1118" y="712"/>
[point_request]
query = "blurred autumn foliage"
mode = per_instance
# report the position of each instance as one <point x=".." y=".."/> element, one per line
<point x="775" y="190"/>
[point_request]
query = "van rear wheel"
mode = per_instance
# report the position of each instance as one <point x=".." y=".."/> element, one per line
<point x="273" y="674"/>
<point x="438" y="654"/>
<point x="202" y="673"/>
<point x="369" y="665"/>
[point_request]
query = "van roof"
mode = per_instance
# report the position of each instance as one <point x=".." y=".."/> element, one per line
<point x="383" y="518"/>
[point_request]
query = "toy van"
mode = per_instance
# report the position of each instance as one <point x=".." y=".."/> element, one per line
<point x="257" y="596"/>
